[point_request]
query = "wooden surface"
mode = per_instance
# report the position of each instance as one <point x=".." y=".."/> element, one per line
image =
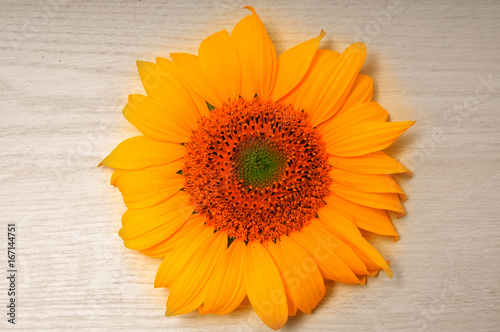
<point x="67" y="67"/>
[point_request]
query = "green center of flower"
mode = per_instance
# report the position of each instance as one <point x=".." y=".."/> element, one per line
<point x="259" y="163"/>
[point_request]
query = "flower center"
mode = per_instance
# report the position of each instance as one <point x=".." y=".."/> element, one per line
<point x="257" y="170"/>
<point x="259" y="163"/>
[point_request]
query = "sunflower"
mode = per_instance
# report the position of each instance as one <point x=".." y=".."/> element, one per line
<point x="255" y="174"/>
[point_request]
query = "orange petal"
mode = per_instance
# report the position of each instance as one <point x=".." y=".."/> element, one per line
<point x="188" y="290"/>
<point x="370" y="219"/>
<point x="186" y="68"/>
<point x="372" y="183"/>
<point x="367" y="112"/>
<point x="257" y="56"/>
<point x="225" y="289"/>
<point x="365" y="138"/>
<point x="141" y="152"/>
<point x="264" y="286"/>
<point x="374" y="163"/>
<point x="300" y="274"/>
<point x="156" y="120"/>
<point x="145" y="228"/>
<point x="293" y="65"/>
<point x="220" y="64"/>
<point x="361" y="92"/>
<point x="150" y="186"/>
<point x="321" y="246"/>
<point x="343" y="228"/>
<point x="192" y="226"/>
<point x="163" y="86"/>
<point x="173" y="264"/>
<point x="385" y="201"/>
<point x="292" y="308"/>
<point x="308" y="94"/>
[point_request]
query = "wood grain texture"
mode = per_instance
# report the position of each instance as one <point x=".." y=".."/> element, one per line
<point x="67" y="68"/>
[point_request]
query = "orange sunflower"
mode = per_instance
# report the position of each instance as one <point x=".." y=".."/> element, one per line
<point x="256" y="173"/>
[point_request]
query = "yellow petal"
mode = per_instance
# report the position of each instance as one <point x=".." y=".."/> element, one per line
<point x="367" y="112"/>
<point x="136" y="189"/>
<point x="117" y="174"/>
<point x="361" y="92"/>
<point x="220" y="64"/>
<point x="192" y="226"/>
<point x="145" y="228"/>
<point x="150" y="192"/>
<point x="371" y="183"/>
<point x="300" y="274"/>
<point x="163" y="86"/>
<point x="293" y="65"/>
<point x="200" y="103"/>
<point x="372" y="268"/>
<point x="152" y="76"/>
<point x="316" y="229"/>
<point x="188" y="290"/>
<point x="225" y="289"/>
<point x="141" y="152"/>
<point x="173" y="264"/>
<point x="385" y="201"/>
<point x="155" y="120"/>
<point x="186" y="68"/>
<point x="325" y="100"/>
<point x="150" y="186"/>
<point x="264" y="286"/>
<point x="343" y="228"/>
<point x="374" y="163"/>
<point x="308" y="94"/>
<point x="365" y="138"/>
<point x="257" y="56"/>
<point x="370" y="219"/>
<point x="321" y="247"/>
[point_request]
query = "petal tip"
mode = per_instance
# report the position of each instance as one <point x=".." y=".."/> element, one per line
<point x="388" y="272"/>
<point x="141" y="63"/>
<point x="250" y="8"/>
<point x="202" y="311"/>
<point x="362" y="280"/>
<point x="360" y="45"/>
<point x="103" y="162"/>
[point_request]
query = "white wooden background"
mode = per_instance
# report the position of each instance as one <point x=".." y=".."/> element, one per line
<point x="67" y="67"/>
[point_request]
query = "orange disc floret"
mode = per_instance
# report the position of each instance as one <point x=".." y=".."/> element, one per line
<point x="257" y="169"/>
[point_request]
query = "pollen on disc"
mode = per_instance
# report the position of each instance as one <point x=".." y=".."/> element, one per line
<point x="258" y="170"/>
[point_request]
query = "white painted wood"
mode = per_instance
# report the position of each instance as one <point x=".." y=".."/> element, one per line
<point x="67" y="67"/>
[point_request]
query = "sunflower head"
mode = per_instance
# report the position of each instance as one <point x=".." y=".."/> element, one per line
<point x="255" y="173"/>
